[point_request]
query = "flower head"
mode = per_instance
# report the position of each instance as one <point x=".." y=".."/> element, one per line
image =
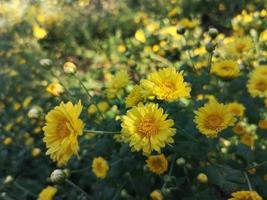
<point x="226" y="69"/>
<point x="257" y="86"/>
<point x="100" y="167"/>
<point x="134" y="97"/>
<point x="62" y="128"/>
<point x="147" y="128"/>
<point x="115" y="87"/>
<point x="245" y="195"/>
<point x="239" y="46"/>
<point x="212" y="118"/>
<point x="47" y="193"/>
<point x="157" y="164"/>
<point x="55" y="89"/>
<point x="156" y="195"/>
<point x="237" y="109"/>
<point x="166" y="84"/>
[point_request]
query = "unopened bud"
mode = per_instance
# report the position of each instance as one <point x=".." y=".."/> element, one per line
<point x="202" y="178"/>
<point x="69" y="68"/>
<point x="34" y="112"/>
<point x="57" y="176"/>
<point x="180" y="30"/>
<point x="8" y="179"/>
<point x="46" y="63"/>
<point x="213" y="32"/>
<point x="180" y="161"/>
<point x="210" y="47"/>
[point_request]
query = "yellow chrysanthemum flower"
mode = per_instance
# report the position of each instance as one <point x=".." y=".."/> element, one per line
<point x="245" y="195"/>
<point x="237" y="109"/>
<point x="134" y="97"/>
<point x="100" y="167"/>
<point x="140" y="36"/>
<point x="247" y="139"/>
<point x="263" y="124"/>
<point x="263" y="36"/>
<point x="47" y="193"/>
<point x="62" y="128"/>
<point x="39" y="32"/>
<point x="257" y="86"/>
<point x="55" y="89"/>
<point x="115" y="87"/>
<point x="212" y="118"/>
<point x="239" y="46"/>
<point x="157" y="164"/>
<point x="226" y="69"/>
<point x="147" y="128"/>
<point x="156" y="195"/>
<point x="166" y="84"/>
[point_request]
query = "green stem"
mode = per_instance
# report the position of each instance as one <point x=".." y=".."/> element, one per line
<point x="170" y="171"/>
<point x="77" y="188"/>
<point x="90" y="96"/>
<point x="186" y="176"/>
<point x="248" y="181"/>
<point x="210" y="60"/>
<point x="24" y="189"/>
<point x="189" y="54"/>
<point x="118" y="192"/>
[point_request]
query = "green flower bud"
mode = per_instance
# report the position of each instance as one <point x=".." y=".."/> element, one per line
<point x="210" y="47"/>
<point x="58" y="176"/>
<point x="180" y="30"/>
<point x="213" y="32"/>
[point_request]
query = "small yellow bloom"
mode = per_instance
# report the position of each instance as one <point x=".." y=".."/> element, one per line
<point x="121" y="48"/>
<point x="118" y="82"/>
<point x="263" y="124"/>
<point x="147" y="128"/>
<point x="47" y="193"/>
<point x="226" y="69"/>
<point x="243" y="195"/>
<point x="239" y="46"/>
<point x="69" y="68"/>
<point x="166" y="84"/>
<point x="257" y="86"/>
<point x="157" y="164"/>
<point x="237" y="109"/>
<point x="134" y="97"/>
<point x="103" y="106"/>
<point x="156" y="195"/>
<point x="7" y="141"/>
<point x="39" y="32"/>
<point x="212" y="118"/>
<point x="248" y="139"/>
<point x="61" y="130"/>
<point x="36" y="152"/>
<point x="202" y="178"/>
<point x="239" y="129"/>
<point x="55" y="89"/>
<point x="263" y="36"/>
<point x="100" y="167"/>
<point x="140" y="36"/>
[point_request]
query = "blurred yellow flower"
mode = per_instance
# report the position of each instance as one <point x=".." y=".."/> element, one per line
<point x="226" y="69"/>
<point x="185" y="22"/>
<point x="140" y="36"/>
<point x="100" y="167"/>
<point x="69" y="68"/>
<point x="147" y="128"/>
<point x="55" y="89"/>
<point x="237" y="109"/>
<point x="263" y="36"/>
<point x="121" y="48"/>
<point x="245" y="195"/>
<point x="257" y="86"/>
<point x="61" y="130"/>
<point x="239" y="46"/>
<point x="157" y="164"/>
<point x="212" y="118"/>
<point x="36" y="152"/>
<point x="156" y="195"/>
<point x="39" y="32"/>
<point x="47" y="193"/>
<point x="202" y="178"/>
<point x="247" y="139"/>
<point x="166" y="84"/>
<point x="263" y="124"/>
<point x="115" y="87"/>
<point x="134" y="97"/>
<point x="7" y="141"/>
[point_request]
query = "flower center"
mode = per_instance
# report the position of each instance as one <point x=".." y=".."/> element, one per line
<point x="147" y="127"/>
<point x="169" y="86"/>
<point x="157" y="163"/>
<point x="226" y="68"/>
<point x="240" y="47"/>
<point x="235" y="111"/>
<point x="261" y="86"/>
<point x="213" y="121"/>
<point x="62" y="129"/>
